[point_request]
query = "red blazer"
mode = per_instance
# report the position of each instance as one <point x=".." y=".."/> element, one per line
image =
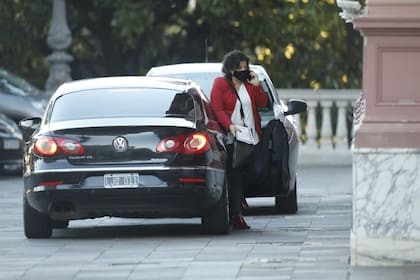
<point x="223" y="100"/>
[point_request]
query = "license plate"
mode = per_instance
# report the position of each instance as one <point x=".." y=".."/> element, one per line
<point x="122" y="180"/>
<point x="11" y="144"/>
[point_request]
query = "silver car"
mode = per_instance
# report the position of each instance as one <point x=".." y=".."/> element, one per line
<point x="19" y="98"/>
<point x="276" y="176"/>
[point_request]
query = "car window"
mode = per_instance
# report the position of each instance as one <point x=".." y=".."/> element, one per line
<point x="182" y="104"/>
<point x="266" y="112"/>
<point x="120" y="103"/>
<point x="267" y="91"/>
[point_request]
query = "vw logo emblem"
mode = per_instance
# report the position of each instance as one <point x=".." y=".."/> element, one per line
<point x="120" y="144"/>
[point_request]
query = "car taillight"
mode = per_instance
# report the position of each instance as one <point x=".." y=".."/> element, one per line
<point x="50" y="146"/>
<point x="45" y="146"/>
<point x="196" y="143"/>
<point x="70" y="147"/>
<point x="186" y="144"/>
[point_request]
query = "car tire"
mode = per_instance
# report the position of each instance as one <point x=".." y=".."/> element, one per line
<point x="36" y="224"/>
<point x="60" y="224"/>
<point x="287" y="205"/>
<point x="217" y="220"/>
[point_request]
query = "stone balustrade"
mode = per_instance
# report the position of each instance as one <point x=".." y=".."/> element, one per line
<point x="327" y="127"/>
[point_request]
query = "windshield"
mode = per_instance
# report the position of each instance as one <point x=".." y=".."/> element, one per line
<point x="12" y="84"/>
<point x="121" y="103"/>
<point x="204" y="79"/>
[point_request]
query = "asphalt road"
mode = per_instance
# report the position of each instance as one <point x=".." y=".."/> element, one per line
<point x="312" y="244"/>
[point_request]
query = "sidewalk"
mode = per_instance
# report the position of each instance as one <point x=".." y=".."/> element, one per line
<point x="313" y="244"/>
<point x="332" y="185"/>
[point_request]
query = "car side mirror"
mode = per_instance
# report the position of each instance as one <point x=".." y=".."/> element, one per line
<point x="295" y="106"/>
<point x="30" y="123"/>
<point x="28" y="126"/>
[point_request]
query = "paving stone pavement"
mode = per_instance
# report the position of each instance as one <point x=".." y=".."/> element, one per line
<point x="312" y="244"/>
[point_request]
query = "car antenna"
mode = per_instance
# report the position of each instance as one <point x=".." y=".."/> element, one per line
<point x="206" y="50"/>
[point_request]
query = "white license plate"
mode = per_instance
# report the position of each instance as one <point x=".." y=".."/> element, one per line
<point x="11" y="144"/>
<point x="122" y="180"/>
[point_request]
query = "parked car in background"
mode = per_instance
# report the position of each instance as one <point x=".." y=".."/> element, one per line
<point x="19" y="98"/>
<point x="11" y="146"/>
<point x="279" y="175"/>
<point x="124" y="147"/>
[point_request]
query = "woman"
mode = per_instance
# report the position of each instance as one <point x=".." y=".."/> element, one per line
<point x="227" y="109"/>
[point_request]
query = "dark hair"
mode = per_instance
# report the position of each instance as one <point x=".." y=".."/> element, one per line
<point x="231" y="62"/>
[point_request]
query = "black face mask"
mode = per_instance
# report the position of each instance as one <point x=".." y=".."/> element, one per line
<point x="241" y="75"/>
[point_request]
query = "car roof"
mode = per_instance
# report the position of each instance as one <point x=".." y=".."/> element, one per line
<point x="124" y="82"/>
<point x="185" y="67"/>
<point x="206" y="67"/>
<point x="202" y="73"/>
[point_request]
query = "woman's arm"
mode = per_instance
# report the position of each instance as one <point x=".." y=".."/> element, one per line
<point x="258" y="94"/>
<point x="218" y="104"/>
<point x="261" y="97"/>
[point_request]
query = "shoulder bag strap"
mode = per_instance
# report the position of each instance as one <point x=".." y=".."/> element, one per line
<point x="232" y="87"/>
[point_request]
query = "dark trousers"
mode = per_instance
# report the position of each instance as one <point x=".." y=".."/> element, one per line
<point x="240" y="179"/>
<point x="236" y="184"/>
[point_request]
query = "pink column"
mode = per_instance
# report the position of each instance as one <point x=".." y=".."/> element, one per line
<point x="391" y="74"/>
<point x="386" y="152"/>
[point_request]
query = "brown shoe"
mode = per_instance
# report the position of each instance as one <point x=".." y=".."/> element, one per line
<point x="238" y="222"/>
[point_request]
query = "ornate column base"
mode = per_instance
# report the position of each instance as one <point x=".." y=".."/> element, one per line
<point x="59" y="70"/>
<point x="386" y="207"/>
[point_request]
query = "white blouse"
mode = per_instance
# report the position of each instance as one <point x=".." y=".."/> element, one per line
<point x="247" y="107"/>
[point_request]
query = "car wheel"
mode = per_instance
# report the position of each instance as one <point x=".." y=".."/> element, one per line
<point x="217" y="220"/>
<point x="60" y="224"/>
<point x="287" y="205"/>
<point x="36" y="224"/>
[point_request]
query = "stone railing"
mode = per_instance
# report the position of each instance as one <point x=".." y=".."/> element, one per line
<point x="327" y="127"/>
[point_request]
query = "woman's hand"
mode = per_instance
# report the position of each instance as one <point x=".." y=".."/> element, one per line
<point x="233" y="129"/>
<point x="254" y="78"/>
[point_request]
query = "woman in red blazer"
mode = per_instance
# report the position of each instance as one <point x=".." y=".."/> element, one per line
<point x="227" y="109"/>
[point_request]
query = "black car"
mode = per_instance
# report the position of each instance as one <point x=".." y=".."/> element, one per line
<point x="124" y="147"/>
<point x="277" y="164"/>
<point x="19" y="98"/>
<point x="11" y="146"/>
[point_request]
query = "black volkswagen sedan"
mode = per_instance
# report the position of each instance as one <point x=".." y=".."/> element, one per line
<point x="124" y="147"/>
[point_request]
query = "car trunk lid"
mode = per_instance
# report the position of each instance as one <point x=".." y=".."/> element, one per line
<point x="116" y="143"/>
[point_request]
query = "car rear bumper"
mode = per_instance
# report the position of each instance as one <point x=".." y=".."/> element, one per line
<point x="90" y="199"/>
<point x="11" y="157"/>
<point x="10" y="165"/>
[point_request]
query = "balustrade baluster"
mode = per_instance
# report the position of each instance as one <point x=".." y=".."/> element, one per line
<point x="326" y="131"/>
<point x="341" y="133"/>
<point x="311" y="142"/>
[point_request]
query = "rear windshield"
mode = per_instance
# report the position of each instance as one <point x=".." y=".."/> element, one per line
<point x="122" y="103"/>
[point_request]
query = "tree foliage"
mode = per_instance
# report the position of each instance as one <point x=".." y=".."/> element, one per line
<point x="302" y="43"/>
